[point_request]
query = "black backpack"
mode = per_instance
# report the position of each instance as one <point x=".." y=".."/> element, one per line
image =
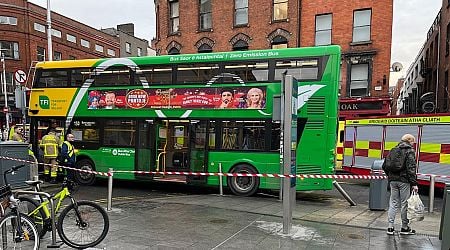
<point x="395" y="160"/>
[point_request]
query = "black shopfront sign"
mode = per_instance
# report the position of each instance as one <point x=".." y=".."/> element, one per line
<point x="360" y="106"/>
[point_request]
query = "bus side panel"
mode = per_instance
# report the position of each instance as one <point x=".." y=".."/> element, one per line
<point x="265" y="163"/>
<point x="105" y="158"/>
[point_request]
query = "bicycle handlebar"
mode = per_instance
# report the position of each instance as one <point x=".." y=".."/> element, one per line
<point x="11" y="170"/>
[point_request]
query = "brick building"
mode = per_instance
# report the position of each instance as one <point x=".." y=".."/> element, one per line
<point x="129" y="44"/>
<point x="426" y="88"/>
<point x="23" y="39"/>
<point x="362" y="28"/>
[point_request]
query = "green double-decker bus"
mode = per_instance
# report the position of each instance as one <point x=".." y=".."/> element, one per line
<point x="192" y="113"/>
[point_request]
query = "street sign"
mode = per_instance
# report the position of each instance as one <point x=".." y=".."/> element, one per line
<point x="20" y="76"/>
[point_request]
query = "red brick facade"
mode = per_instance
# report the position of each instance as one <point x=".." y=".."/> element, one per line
<point x="22" y="34"/>
<point x="299" y="29"/>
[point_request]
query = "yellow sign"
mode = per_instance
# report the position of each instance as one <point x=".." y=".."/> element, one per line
<point x="51" y="102"/>
<point x="401" y="120"/>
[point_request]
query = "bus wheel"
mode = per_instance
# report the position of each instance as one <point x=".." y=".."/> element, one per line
<point x="82" y="177"/>
<point x="244" y="186"/>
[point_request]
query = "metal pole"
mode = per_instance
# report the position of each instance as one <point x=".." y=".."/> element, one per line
<point x="6" y="95"/>
<point x="49" y="32"/>
<point x="110" y="186"/>
<point x="342" y="191"/>
<point x="431" y="194"/>
<point x="52" y="204"/>
<point x="220" y="180"/>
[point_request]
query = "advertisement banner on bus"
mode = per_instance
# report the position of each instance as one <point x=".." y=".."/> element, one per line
<point x="192" y="98"/>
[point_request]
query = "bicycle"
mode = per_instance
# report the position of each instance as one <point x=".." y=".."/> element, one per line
<point x="84" y="216"/>
<point x="13" y="236"/>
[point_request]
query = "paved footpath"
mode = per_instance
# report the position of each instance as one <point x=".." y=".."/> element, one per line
<point x="210" y="221"/>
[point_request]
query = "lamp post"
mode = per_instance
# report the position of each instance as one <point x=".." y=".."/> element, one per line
<point x="49" y="32"/>
<point x="4" y="89"/>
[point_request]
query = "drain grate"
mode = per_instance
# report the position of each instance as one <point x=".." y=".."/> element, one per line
<point x="218" y="221"/>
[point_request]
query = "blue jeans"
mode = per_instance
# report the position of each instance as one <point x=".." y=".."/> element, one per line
<point x="400" y="193"/>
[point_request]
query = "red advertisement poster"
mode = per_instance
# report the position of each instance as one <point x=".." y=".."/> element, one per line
<point x="191" y="98"/>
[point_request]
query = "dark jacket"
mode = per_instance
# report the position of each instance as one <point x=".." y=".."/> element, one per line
<point x="408" y="174"/>
<point x="68" y="153"/>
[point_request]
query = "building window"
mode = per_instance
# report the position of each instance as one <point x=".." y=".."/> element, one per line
<point x="57" y="56"/>
<point x="72" y="57"/>
<point x="173" y="51"/>
<point x="280" y="10"/>
<point x="240" y="12"/>
<point x="99" y="48"/>
<point x="279" y="42"/>
<point x="205" y="15"/>
<point x="56" y="33"/>
<point x="447" y="41"/>
<point x="240" y="45"/>
<point x="39" y="27"/>
<point x="174" y="16"/>
<point x="10" y="50"/>
<point x="111" y="52"/>
<point x="359" y="84"/>
<point x="323" y="29"/>
<point x="205" y="48"/>
<point x="8" y="20"/>
<point x="85" y="43"/>
<point x="40" y="54"/>
<point x="361" y="25"/>
<point x="71" y="38"/>
<point x="139" y="51"/>
<point x="128" y="47"/>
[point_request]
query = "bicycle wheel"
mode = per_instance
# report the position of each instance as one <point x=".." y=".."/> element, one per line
<point x="86" y="233"/>
<point x="9" y="239"/>
<point x="28" y="206"/>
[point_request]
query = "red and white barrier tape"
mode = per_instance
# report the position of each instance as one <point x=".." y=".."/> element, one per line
<point x="301" y="176"/>
<point x="60" y="166"/>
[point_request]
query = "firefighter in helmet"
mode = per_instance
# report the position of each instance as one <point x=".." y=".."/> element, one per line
<point x="50" y="145"/>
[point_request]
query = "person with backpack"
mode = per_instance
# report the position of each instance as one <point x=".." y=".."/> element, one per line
<point x="400" y="167"/>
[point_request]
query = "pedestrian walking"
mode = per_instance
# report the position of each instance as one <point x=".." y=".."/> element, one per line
<point x="68" y="156"/>
<point x="400" y="167"/>
<point x="50" y="146"/>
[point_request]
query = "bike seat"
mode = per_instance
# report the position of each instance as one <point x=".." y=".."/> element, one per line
<point x="34" y="183"/>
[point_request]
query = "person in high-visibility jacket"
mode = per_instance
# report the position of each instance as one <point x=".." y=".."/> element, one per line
<point x="68" y="155"/>
<point x="18" y="134"/>
<point x="50" y="146"/>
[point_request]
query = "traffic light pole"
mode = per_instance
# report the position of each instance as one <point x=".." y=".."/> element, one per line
<point x="6" y="109"/>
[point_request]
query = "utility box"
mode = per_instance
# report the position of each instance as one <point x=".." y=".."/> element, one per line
<point x="378" y="194"/>
<point x="15" y="150"/>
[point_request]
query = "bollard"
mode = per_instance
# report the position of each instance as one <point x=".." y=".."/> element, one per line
<point x="110" y="186"/>
<point x="446" y="189"/>
<point x="220" y="180"/>
<point x="431" y="194"/>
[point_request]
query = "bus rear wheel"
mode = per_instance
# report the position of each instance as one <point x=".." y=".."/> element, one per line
<point x="82" y="177"/>
<point x="244" y="186"/>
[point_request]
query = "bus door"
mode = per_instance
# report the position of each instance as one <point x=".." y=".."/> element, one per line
<point x="173" y="146"/>
<point x="198" y="135"/>
<point x="145" y="156"/>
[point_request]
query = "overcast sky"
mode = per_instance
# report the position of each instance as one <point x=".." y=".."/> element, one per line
<point x="412" y="19"/>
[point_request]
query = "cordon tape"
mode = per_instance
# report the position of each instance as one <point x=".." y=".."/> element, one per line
<point x="301" y="176"/>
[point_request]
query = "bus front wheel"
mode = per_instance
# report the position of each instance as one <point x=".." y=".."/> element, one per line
<point x="82" y="177"/>
<point x="244" y="186"/>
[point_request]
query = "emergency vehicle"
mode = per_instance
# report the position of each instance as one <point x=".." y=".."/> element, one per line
<point x="370" y="139"/>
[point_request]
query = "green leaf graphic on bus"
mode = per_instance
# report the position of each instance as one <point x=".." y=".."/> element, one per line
<point x="44" y="102"/>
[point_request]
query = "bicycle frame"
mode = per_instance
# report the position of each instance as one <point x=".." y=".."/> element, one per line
<point x="60" y="197"/>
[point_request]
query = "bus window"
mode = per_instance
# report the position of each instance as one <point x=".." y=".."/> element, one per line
<point x="114" y="76"/>
<point x="196" y="73"/>
<point x="248" y="71"/>
<point x="119" y="133"/>
<point x="85" y="131"/>
<point x="307" y="69"/>
<point x="156" y="74"/>
<point x="79" y="76"/>
<point x="243" y="135"/>
<point x="51" y="78"/>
